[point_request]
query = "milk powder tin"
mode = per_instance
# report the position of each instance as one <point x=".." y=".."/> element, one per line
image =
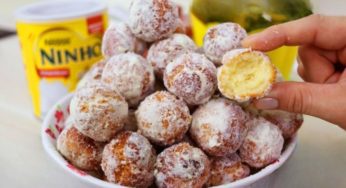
<point x="60" y="40"/>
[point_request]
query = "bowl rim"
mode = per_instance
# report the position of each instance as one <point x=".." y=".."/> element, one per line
<point x="52" y="151"/>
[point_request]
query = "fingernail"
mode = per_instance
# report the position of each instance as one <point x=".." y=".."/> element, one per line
<point x="267" y="103"/>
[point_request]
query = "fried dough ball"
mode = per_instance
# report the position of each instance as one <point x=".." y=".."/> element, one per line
<point x="131" y="75"/>
<point x="119" y="39"/>
<point x="263" y="143"/>
<point x="164" y="51"/>
<point x="163" y="118"/>
<point x="129" y="160"/>
<point x="151" y="20"/>
<point x="227" y="169"/>
<point x="219" y="127"/>
<point x="221" y="39"/>
<point x="183" y="166"/>
<point x="99" y="112"/>
<point x="79" y="150"/>
<point x="192" y="77"/>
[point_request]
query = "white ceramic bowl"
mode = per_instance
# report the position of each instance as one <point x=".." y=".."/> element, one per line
<point x="54" y="123"/>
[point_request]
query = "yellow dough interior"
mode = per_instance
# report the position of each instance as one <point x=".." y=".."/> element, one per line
<point x="248" y="74"/>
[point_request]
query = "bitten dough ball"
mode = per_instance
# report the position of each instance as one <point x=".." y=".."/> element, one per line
<point x="183" y="166"/>
<point x="222" y="38"/>
<point x="245" y="75"/>
<point x="219" y="127"/>
<point x="118" y="39"/>
<point x="227" y="169"/>
<point x="131" y="75"/>
<point x="93" y="76"/>
<point x="288" y="122"/>
<point x="151" y="20"/>
<point x="79" y="150"/>
<point x="263" y="143"/>
<point x="99" y="112"/>
<point x="163" y="118"/>
<point x="192" y="77"/>
<point x="129" y="160"/>
<point x="164" y="51"/>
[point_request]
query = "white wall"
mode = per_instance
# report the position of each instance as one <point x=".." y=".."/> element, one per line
<point x="329" y="7"/>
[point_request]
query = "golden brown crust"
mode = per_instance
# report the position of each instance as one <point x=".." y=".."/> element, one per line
<point x="182" y="165"/>
<point x="192" y="77"/>
<point x="219" y="127"/>
<point x="227" y="169"/>
<point x="129" y="160"/>
<point x="99" y="112"/>
<point x="151" y="20"/>
<point x="163" y="118"/>
<point x="80" y="150"/>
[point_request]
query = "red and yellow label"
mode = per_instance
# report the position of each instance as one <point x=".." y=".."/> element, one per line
<point x="57" y="54"/>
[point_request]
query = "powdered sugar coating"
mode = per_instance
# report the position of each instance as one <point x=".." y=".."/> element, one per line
<point x="182" y="166"/>
<point x="222" y="38"/>
<point x="219" y="127"/>
<point x="129" y="160"/>
<point x="151" y="20"/>
<point x="192" y="77"/>
<point x="131" y="75"/>
<point x="118" y="39"/>
<point x="227" y="169"/>
<point x="79" y="150"/>
<point x="164" y="51"/>
<point x="288" y="122"/>
<point x="99" y="112"/>
<point x="263" y="143"/>
<point x="93" y="76"/>
<point x="163" y="118"/>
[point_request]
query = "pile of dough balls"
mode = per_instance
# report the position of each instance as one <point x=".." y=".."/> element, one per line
<point x="156" y="111"/>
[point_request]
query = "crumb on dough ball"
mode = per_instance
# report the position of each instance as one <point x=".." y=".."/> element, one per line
<point x="131" y="75"/>
<point x="227" y="169"/>
<point x="288" y="122"/>
<point x="263" y="143"/>
<point x="118" y="39"/>
<point x="93" y="75"/>
<point x="164" y="51"/>
<point x="151" y="20"/>
<point x="163" y="118"/>
<point x="99" y="112"/>
<point x="192" y="77"/>
<point x="222" y="38"/>
<point x="219" y="127"/>
<point x="129" y="160"/>
<point x="182" y="165"/>
<point x="79" y="150"/>
<point x="245" y="75"/>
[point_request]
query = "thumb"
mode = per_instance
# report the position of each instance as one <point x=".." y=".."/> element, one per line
<point x="301" y="97"/>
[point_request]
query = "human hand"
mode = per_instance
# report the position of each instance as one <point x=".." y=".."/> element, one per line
<point x="322" y="55"/>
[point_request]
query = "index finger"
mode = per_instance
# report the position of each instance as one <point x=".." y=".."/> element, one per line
<point x="322" y="31"/>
